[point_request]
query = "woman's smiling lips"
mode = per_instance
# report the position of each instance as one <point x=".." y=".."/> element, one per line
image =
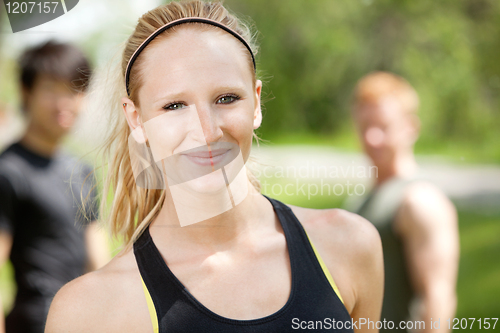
<point x="206" y="158"/>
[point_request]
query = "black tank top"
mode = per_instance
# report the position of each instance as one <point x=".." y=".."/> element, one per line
<point x="314" y="301"/>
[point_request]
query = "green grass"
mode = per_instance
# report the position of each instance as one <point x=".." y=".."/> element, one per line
<point x="479" y="272"/>
<point x="7" y="285"/>
<point x="344" y="140"/>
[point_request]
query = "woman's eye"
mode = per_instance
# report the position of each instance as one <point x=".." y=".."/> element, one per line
<point x="227" y="99"/>
<point x="173" y="106"/>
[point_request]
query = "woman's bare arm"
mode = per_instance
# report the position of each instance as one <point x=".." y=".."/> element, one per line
<point x="78" y="307"/>
<point x="352" y="251"/>
<point x="109" y="300"/>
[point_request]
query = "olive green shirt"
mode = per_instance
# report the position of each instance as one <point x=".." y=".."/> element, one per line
<point x="380" y="208"/>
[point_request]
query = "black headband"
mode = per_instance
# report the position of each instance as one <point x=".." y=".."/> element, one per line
<point x="172" y="24"/>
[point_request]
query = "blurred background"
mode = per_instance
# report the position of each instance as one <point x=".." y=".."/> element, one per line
<point x="311" y="55"/>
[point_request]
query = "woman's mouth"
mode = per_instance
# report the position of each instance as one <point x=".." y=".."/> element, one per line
<point x="207" y="158"/>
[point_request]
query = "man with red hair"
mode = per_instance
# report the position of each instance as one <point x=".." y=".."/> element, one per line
<point x="417" y="222"/>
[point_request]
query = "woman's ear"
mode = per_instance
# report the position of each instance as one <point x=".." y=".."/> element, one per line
<point x="134" y="120"/>
<point x="257" y="116"/>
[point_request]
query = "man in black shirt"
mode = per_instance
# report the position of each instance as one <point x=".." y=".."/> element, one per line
<point x="49" y="239"/>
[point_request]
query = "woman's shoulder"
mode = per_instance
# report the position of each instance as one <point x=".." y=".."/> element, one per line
<point x="338" y="227"/>
<point x="349" y="245"/>
<point x="101" y="301"/>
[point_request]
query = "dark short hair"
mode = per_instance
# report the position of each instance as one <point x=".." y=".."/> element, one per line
<point x="61" y="61"/>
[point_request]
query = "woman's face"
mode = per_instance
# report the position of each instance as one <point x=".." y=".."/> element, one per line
<point x="198" y="104"/>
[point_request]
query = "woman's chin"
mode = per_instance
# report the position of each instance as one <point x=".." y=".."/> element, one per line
<point x="210" y="184"/>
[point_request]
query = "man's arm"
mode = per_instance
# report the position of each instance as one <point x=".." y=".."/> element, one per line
<point x="96" y="241"/>
<point x="427" y="223"/>
<point x="5" y="246"/>
<point x="96" y="238"/>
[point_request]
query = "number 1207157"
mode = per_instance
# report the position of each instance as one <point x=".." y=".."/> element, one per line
<point x="469" y="323"/>
<point x="23" y="7"/>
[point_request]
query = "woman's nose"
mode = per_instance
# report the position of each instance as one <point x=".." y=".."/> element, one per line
<point x="210" y="124"/>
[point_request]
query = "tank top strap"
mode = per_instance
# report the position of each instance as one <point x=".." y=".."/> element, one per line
<point x="302" y="247"/>
<point x="156" y="278"/>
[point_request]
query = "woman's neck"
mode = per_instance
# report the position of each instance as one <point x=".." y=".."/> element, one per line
<point x="221" y="230"/>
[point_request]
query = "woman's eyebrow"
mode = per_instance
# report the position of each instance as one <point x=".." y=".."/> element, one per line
<point x="237" y="87"/>
<point x="169" y="97"/>
<point x="179" y="96"/>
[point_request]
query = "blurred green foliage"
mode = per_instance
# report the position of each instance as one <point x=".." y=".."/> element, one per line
<point x="313" y="52"/>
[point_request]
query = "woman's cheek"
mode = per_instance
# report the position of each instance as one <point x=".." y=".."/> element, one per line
<point x="165" y="134"/>
<point x="242" y="128"/>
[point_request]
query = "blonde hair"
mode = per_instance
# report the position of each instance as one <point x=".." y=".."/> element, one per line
<point x="133" y="208"/>
<point x="374" y="86"/>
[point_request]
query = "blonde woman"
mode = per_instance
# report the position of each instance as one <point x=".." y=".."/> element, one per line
<point x="188" y="82"/>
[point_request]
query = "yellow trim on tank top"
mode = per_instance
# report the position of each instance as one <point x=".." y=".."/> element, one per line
<point x="325" y="270"/>
<point x="151" y="307"/>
